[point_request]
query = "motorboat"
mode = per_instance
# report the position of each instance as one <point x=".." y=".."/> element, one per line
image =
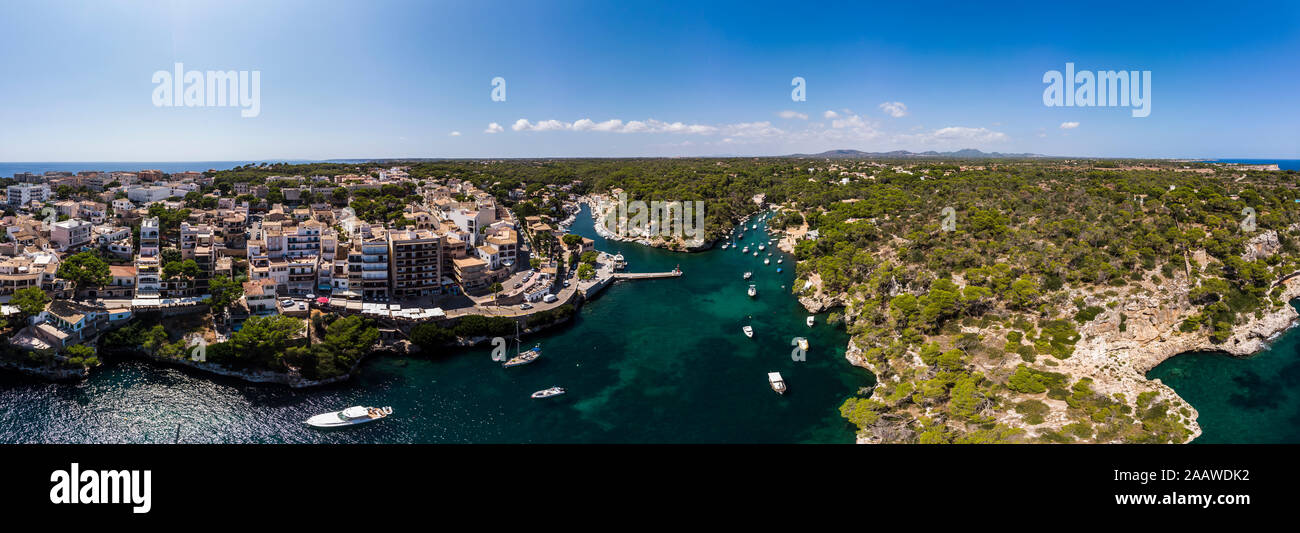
<point x="761" y="247"/>
<point x="749" y="275"/>
<point x="776" y="381"/>
<point x="753" y="291"/>
<point x="749" y="331"/>
<point x="803" y="343"/>
<point x="767" y="261"/>
<point x="547" y="393"/>
<point x="349" y="417"/>
<point x="746" y="250"/>
<point x="810" y="321"/>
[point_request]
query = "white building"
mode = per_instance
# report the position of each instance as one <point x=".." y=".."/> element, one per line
<point x="25" y="193"/>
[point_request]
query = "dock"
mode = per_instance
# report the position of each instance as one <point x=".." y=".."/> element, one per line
<point x="676" y="272"/>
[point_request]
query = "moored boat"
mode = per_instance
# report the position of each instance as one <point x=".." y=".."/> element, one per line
<point x="349" y="417"/>
<point x="803" y="344"/>
<point x="753" y="291"/>
<point x="524" y="357"/>
<point x="810" y="321"/>
<point x="749" y="331"/>
<point x="749" y="275"/>
<point x="776" y="381"/>
<point x="547" y="393"/>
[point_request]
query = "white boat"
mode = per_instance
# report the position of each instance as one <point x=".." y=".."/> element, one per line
<point x="524" y="358"/>
<point x="753" y="291"/>
<point x="779" y="261"/>
<point x="767" y="261"/>
<point x="724" y="246"/>
<point x="547" y="393"/>
<point x="803" y="344"/>
<point x="761" y="247"/>
<point x="749" y="275"/>
<point x="755" y="254"/>
<point x="746" y="250"/>
<point x="755" y="226"/>
<point x="349" y="417"/>
<point x="778" y="384"/>
<point x="749" y="332"/>
<point x="810" y="321"/>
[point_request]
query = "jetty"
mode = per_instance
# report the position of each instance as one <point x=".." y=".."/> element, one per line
<point x="674" y="273"/>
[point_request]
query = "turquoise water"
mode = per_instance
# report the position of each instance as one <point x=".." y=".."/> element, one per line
<point x="646" y="361"/>
<point x="1241" y="400"/>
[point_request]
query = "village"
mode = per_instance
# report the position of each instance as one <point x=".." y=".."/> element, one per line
<point x="82" y="254"/>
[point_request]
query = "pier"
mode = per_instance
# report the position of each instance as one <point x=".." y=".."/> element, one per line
<point x="676" y="272"/>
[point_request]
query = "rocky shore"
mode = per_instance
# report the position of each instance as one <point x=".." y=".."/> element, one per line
<point x="50" y="373"/>
<point x="1116" y="349"/>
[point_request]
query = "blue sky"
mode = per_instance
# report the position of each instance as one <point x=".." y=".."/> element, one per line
<point x="342" y="79"/>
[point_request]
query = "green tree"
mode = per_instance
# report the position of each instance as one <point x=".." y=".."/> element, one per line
<point x="85" y="269"/>
<point x="224" y="291"/>
<point x="30" y="301"/>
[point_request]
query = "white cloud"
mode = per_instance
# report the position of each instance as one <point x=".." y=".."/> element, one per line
<point x="830" y="114"/>
<point x="894" y="109"/>
<point x="955" y="135"/>
<point x="787" y="114"/>
<point x="454" y="134"/>
<point x="494" y="128"/>
<point x="1069" y="125"/>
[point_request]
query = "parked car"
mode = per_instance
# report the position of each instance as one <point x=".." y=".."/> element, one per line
<point x="525" y="307"/>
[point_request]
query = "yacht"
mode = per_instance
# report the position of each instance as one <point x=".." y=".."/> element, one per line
<point x="778" y="384"/>
<point x="749" y="275"/>
<point x="749" y="331"/>
<point x="753" y="291"/>
<point x="547" y="393"/>
<point x="524" y="358"/>
<point x="803" y="344"/>
<point x="810" y="321"/>
<point x="349" y="417"/>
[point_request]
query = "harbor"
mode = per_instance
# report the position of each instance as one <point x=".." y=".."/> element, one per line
<point x="650" y="360"/>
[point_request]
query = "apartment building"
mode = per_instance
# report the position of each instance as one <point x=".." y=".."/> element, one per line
<point x="148" y="263"/>
<point x="71" y="234"/>
<point x="416" y="263"/>
<point x="23" y="194"/>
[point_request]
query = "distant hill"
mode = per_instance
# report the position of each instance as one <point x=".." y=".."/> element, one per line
<point x="968" y="153"/>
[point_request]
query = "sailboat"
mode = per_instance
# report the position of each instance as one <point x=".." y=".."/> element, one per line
<point x="525" y="357"/>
